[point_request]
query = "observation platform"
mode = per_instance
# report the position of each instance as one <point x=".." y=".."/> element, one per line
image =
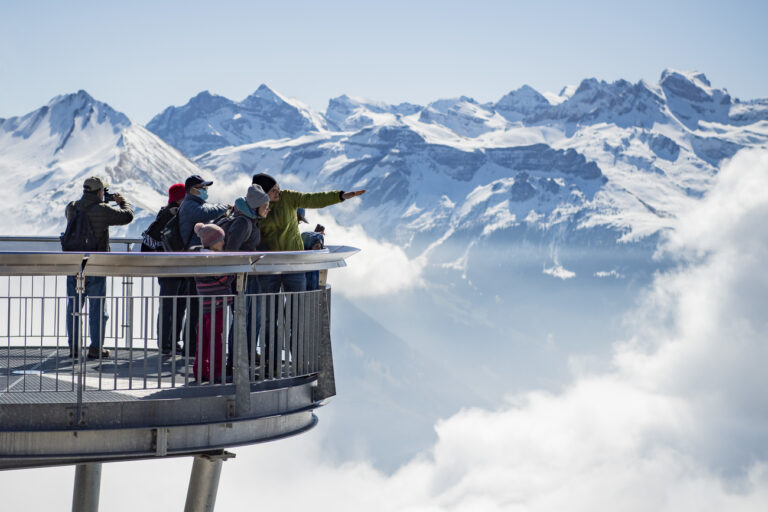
<point x="141" y="403"/>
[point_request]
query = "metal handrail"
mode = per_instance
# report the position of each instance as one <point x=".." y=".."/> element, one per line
<point x="290" y="318"/>
<point x="154" y="264"/>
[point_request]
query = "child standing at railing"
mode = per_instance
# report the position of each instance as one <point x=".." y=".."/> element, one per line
<point x="216" y="294"/>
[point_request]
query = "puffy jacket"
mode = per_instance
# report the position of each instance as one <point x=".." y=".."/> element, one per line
<point x="280" y="230"/>
<point x="243" y="233"/>
<point x="101" y="216"/>
<point x="194" y="210"/>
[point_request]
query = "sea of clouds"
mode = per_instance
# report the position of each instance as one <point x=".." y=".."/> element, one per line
<point x="678" y="423"/>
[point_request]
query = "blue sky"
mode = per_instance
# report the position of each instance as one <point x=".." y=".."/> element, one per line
<point x="142" y="56"/>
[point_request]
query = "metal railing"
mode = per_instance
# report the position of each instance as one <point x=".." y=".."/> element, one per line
<point x="264" y="336"/>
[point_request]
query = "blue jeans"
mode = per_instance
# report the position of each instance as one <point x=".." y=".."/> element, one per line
<point x="271" y="283"/>
<point x="95" y="290"/>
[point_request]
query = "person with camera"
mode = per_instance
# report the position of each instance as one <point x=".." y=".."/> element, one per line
<point x="99" y="216"/>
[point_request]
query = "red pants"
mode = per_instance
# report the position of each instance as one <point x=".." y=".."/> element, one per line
<point x="203" y="355"/>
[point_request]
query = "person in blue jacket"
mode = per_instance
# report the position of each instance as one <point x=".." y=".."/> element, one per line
<point x="194" y="209"/>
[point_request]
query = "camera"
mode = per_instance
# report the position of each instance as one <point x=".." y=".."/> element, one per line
<point x="108" y="196"/>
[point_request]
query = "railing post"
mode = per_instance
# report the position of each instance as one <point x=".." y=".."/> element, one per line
<point x="326" y="381"/>
<point x="80" y="341"/>
<point x="85" y="497"/>
<point x="240" y="357"/>
<point x="128" y="311"/>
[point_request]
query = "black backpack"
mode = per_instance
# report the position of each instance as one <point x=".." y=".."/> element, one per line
<point x="79" y="235"/>
<point x="171" y="237"/>
<point x="151" y="238"/>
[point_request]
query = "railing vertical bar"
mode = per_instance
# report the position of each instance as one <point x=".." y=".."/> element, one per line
<point x="102" y="335"/>
<point x="115" y="307"/>
<point x="287" y="332"/>
<point x="301" y="333"/>
<point x="56" y="327"/>
<point x="145" y="311"/>
<point x="272" y="336"/>
<point x="42" y="332"/>
<point x="174" y="341"/>
<point x="212" y="343"/>
<point x="159" y="337"/>
<point x="199" y="341"/>
<point x="188" y="311"/>
<point x="26" y="314"/>
<point x="315" y="329"/>
<point x="253" y="335"/>
<point x="262" y="330"/>
<point x="280" y="335"/>
<point x="225" y="319"/>
<point x="129" y="345"/>
<point x="8" y="327"/>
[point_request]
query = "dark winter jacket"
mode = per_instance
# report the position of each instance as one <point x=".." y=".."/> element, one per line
<point x="243" y="233"/>
<point x="194" y="210"/>
<point x="151" y="241"/>
<point x="101" y="216"/>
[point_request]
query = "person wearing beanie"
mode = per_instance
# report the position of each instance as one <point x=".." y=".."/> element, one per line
<point x="167" y="337"/>
<point x="243" y="234"/>
<point x="216" y="292"/>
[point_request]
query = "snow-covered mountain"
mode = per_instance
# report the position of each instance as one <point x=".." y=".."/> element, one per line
<point x="600" y="163"/>
<point x="46" y="155"/>
<point x="347" y="113"/>
<point x="210" y="122"/>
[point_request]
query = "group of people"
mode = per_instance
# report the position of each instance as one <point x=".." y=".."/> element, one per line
<point x="266" y="218"/>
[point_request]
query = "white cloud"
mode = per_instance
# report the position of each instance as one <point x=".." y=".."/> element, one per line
<point x="559" y="272"/>
<point x="680" y="423"/>
<point x="381" y="268"/>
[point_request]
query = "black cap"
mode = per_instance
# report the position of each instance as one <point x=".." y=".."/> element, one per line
<point x="194" y="181"/>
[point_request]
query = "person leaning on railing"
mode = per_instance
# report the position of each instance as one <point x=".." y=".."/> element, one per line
<point x="101" y="216"/>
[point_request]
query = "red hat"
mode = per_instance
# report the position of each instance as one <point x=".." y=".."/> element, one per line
<point x="176" y="193"/>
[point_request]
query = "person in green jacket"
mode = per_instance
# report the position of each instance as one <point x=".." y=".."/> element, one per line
<point x="280" y="232"/>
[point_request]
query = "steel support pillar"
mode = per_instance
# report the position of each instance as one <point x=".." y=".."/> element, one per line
<point x="87" y="484"/>
<point x="204" y="481"/>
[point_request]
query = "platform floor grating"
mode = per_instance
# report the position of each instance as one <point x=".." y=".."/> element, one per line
<point x="49" y="374"/>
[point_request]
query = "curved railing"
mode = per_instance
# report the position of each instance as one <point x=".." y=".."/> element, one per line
<point x="278" y="341"/>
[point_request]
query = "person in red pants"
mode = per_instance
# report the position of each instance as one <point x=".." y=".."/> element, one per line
<point x="216" y="293"/>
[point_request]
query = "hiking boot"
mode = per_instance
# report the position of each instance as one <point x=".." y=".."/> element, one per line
<point x="95" y="352"/>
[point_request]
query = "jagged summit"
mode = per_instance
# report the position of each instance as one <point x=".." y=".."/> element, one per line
<point x="207" y="122"/>
<point x="70" y="138"/>
<point x="692" y="99"/>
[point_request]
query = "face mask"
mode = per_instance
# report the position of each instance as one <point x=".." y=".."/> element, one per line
<point x="203" y="194"/>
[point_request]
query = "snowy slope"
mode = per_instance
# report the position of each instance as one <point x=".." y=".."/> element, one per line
<point x="601" y="163"/>
<point x="209" y="122"/>
<point x="46" y="155"/>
